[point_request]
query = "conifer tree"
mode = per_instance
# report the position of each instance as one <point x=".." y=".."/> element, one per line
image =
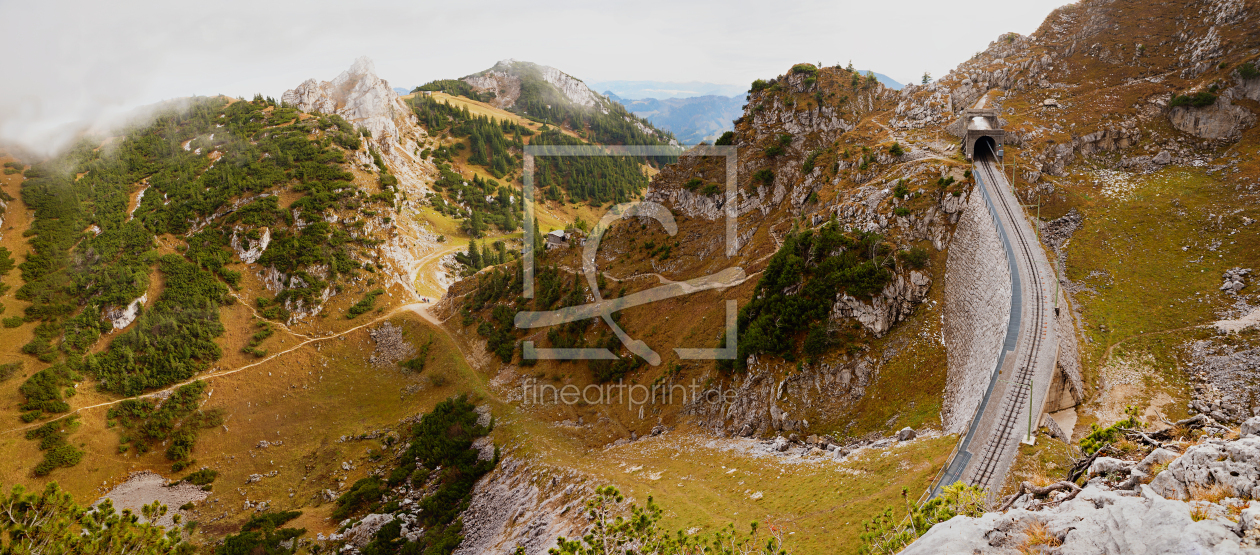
<point x="474" y="256"/>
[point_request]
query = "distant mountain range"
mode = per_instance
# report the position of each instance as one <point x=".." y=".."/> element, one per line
<point x="886" y="80"/>
<point x="693" y="111"/>
<point x="691" y="120"/>
<point x="637" y="90"/>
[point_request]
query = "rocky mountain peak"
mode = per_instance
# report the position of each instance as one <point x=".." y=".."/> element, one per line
<point x="359" y="96"/>
<point x="504" y="79"/>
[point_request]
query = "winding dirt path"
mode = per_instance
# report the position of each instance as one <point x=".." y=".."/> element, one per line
<point x="423" y="313"/>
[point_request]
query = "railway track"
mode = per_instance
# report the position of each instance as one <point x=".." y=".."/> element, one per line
<point x="1010" y="421"/>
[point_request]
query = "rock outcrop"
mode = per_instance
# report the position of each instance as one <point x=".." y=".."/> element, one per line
<point x="1220" y="120"/>
<point x="368" y="102"/>
<point x="1232" y="465"/>
<point x="121" y="317"/>
<point x="1203" y="501"/>
<point x="250" y="250"/>
<point x="357" y="95"/>
<point x="516" y="505"/>
<point x="893" y="304"/>
<point x="1096" y="521"/>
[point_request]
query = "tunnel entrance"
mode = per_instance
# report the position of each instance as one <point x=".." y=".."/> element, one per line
<point x="985" y="146"/>
<point x="984" y="132"/>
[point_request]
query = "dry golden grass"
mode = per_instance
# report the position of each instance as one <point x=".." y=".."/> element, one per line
<point x="1037" y="537"/>
<point x="1198" y="513"/>
<point x="1214" y="493"/>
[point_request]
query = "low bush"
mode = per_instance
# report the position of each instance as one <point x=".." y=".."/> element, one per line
<point x="916" y="257"/>
<point x="1248" y="70"/>
<point x="8" y="370"/>
<point x="1197" y="100"/>
<point x="807" y="69"/>
<point x="763" y="176"/>
<point x="262" y="535"/>
<point x="52" y="441"/>
<point x="364" y="304"/>
<point x="202" y="477"/>
<point x="1099" y="436"/>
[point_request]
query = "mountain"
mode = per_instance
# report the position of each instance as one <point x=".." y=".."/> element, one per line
<point x="636" y="90"/>
<point x="547" y="95"/>
<point x="691" y="119"/>
<point x="180" y="298"/>
<point x="885" y="80"/>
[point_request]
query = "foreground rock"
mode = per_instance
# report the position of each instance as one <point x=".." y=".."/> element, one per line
<point x="1097" y="521"/>
<point x="1202" y="501"/>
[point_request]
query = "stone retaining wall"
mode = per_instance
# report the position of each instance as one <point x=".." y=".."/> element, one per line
<point x="977" y="309"/>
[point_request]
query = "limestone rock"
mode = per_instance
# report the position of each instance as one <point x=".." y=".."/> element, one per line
<point x="1096" y="521"/>
<point x="1221" y="120"/>
<point x="358" y="95"/>
<point x="360" y="534"/>
<point x="894" y="303"/>
<point x="1251" y="427"/>
<point x="1156" y="457"/>
<point x="123" y="317"/>
<point x="504" y="80"/>
<point x="250" y="250"/>
<point x="1108" y="465"/>
<point x="1233" y="465"/>
<point x="516" y="506"/>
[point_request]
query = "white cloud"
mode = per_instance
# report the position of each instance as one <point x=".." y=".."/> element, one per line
<point x="73" y="63"/>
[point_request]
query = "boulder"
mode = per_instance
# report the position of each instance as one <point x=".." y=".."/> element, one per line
<point x="1233" y="465"/>
<point x="1109" y="465"/>
<point x="1251" y="427"/>
<point x="906" y="434"/>
<point x="362" y="533"/>
<point x="1158" y="456"/>
<point x="780" y="444"/>
<point x="1250" y="518"/>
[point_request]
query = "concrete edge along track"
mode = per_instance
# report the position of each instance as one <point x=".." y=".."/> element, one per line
<point x="1018" y="387"/>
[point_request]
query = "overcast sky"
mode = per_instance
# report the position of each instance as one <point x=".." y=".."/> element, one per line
<point x="69" y="64"/>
